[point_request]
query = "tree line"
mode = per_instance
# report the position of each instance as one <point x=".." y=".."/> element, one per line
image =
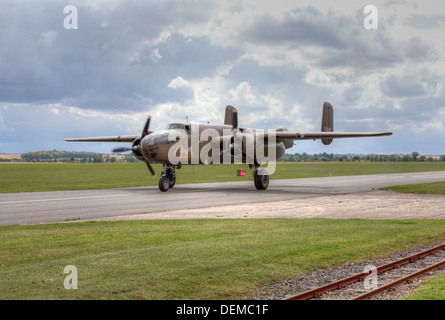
<point x="326" y="157"/>
<point x="74" y="156"/>
<point x="93" y="157"/>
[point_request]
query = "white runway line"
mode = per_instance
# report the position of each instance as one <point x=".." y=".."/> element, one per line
<point x="62" y="199"/>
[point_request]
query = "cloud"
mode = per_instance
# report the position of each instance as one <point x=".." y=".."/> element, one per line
<point x="276" y="62"/>
<point x="402" y="87"/>
<point x="2" y="123"/>
<point x="301" y="27"/>
<point x="112" y="59"/>
<point x="331" y="40"/>
<point x="425" y="22"/>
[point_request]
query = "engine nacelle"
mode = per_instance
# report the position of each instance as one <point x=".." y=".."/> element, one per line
<point x="136" y="149"/>
<point x="288" y="143"/>
<point x="268" y="149"/>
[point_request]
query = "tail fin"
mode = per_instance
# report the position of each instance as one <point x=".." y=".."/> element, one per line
<point x="231" y="116"/>
<point x="327" y="121"/>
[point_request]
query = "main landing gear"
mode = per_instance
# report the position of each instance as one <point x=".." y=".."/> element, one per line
<point x="260" y="178"/>
<point x="168" y="177"/>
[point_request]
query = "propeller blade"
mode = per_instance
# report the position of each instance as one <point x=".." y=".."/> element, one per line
<point x="151" y="169"/>
<point x="147" y="125"/>
<point x="119" y="150"/>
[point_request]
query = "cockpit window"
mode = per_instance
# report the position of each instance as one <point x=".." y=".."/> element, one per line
<point x="175" y="126"/>
<point x="179" y="126"/>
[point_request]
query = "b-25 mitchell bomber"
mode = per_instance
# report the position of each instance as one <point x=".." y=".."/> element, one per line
<point x="192" y="143"/>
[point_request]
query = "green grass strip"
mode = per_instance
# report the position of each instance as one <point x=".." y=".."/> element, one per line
<point x="190" y="259"/>
<point x="430" y="289"/>
<point x="421" y="188"/>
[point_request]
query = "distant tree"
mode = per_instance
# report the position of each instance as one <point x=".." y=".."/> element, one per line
<point x="415" y="155"/>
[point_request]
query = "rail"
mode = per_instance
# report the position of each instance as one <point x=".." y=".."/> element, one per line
<point x="359" y="277"/>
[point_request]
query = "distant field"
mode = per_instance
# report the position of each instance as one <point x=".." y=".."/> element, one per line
<point x="190" y="259"/>
<point x="22" y="177"/>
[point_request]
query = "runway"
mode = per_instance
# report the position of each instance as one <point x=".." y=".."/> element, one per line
<point x="61" y="206"/>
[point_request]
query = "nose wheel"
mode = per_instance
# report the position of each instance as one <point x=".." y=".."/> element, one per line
<point x="168" y="178"/>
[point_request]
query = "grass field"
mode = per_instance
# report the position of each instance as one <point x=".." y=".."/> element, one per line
<point x="189" y="259"/>
<point x="22" y="177"/>
<point x="421" y="188"/>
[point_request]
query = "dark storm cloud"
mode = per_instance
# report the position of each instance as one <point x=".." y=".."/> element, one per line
<point x="343" y="39"/>
<point x="395" y="87"/>
<point x="302" y="27"/>
<point x="414" y="83"/>
<point x="114" y="59"/>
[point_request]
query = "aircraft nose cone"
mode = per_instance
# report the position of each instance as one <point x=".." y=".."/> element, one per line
<point x="149" y="148"/>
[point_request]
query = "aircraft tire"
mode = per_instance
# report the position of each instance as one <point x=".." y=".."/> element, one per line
<point x="172" y="182"/>
<point x="164" y="184"/>
<point x="261" y="181"/>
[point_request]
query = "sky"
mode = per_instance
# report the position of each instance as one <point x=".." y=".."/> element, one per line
<point x="276" y="61"/>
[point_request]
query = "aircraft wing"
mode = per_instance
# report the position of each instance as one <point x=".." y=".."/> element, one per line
<point x="105" y="139"/>
<point x="282" y="135"/>
<point x="327" y="135"/>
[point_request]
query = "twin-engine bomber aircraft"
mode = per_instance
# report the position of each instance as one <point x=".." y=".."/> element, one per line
<point x="192" y="143"/>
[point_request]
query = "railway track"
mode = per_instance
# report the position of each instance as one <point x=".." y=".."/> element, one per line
<point x="378" y="280"/>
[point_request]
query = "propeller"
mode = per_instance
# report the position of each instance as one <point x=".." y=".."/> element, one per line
<point x="136" y="148"/>
<point x="119" y="150"/>
<point x="151" y="169"/>
<point x="147" y="125"/>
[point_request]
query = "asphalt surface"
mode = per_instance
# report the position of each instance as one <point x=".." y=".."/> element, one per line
<point x="60" y="206"/>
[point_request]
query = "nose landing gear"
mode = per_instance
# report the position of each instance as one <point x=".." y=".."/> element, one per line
<point x="168" y="178"/>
